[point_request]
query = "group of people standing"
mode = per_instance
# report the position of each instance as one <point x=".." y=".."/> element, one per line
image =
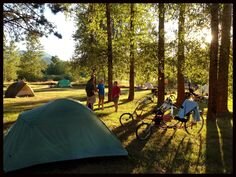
<point x="92" y="90"/>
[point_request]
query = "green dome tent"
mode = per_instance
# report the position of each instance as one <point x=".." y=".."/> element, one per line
<point x="63" y="83"/>
<point x="63" y="129"/>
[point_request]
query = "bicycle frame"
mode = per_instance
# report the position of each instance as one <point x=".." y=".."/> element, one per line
<point x="144" y="130"/>
<point x="129" y="117"/>
<point x="167" y="105"/>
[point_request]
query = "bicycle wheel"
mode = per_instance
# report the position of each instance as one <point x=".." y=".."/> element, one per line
<point x="126" y="119"/>
<point x="192" y="127"/>
<point x="143" y="131"/>
<point x="139" y="109"/>
<point x="143" y="108"/>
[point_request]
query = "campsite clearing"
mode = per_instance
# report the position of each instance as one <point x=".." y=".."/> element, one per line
<point x="165" y="152"/>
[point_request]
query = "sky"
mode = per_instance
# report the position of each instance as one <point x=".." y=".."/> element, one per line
<point x="63" y="48"/>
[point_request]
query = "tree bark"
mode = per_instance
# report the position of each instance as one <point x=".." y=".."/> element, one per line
<point x="131" y="75"/>
<point x="180" y="65"/>
<point x="222" y="87"/>
<point x="211" y="114"/>
<point x="161" y="55"/>
<point x="109" y="51"/>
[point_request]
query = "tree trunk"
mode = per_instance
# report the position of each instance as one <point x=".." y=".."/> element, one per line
<point x="222" y="87"/>
<point x="131" y="74"/>
<point x="161" y="55"/>
<point x="180" y="65"/>
<point x="109" y="51"/>
<point x="211" y="114"/>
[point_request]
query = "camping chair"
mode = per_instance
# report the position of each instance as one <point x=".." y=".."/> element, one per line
<point x="188" y="107"/>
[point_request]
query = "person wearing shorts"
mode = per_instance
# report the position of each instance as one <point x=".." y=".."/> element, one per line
<point x="101" y="94"/>
<point x="90" y="91"/>
<point x="115" y="95"/>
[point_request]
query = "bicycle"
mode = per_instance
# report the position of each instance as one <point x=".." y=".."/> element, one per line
<point x="192" y="127"/>
<point x="127" y="118"/>
<point x="151" y="96"/>
<point x="154" y="94"/>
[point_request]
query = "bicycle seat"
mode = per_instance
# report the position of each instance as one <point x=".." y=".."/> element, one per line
<point x="180" y="119"/>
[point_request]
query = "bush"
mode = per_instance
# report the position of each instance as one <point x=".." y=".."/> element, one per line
<point x="58" y="77"/>
<point x="53" y="77"/>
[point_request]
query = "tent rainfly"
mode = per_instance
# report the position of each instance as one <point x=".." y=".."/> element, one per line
<point x="63" y="129"/>
<point x="19" y="89"/>
<point x="64" y="83"/>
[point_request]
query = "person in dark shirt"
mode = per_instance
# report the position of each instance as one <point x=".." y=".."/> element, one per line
<point x="90" y="91"/>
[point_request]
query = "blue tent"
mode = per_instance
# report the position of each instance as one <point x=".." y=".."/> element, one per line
<point x="64" y="83"/>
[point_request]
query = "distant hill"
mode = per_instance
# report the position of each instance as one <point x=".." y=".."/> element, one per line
<point x="46" y="57"/>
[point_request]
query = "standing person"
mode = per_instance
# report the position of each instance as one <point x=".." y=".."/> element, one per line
<point x="90" y="91"/>
<point x="101" y="93"/>
<point x="115" y="94"/>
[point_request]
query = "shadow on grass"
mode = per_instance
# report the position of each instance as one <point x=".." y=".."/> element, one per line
<point x="178" y="154"/>
<point x="102" y="114"/>
<point x="183" y="157"/>
<point x="213" y="154"/>
<point x="49" y="90"/>
<point x="77" y="98"/>
<point x="134" y="148"/>
<point x="55" y="89"/>
<point x="104" y="107"/>
<point x="27" y="105"/>
<point x="171" y="165"/>
<point x="147" y="113"/>
<point x="219" y="145"/>
<point x="123" y="132"/>
<point x="121" y="102"/>
<point x="199" y="152"/>
<point x="225" y="130"/>
<point x="146" y="157"/>
<point x="173" y="154"/>
<point x="164" y="149"/>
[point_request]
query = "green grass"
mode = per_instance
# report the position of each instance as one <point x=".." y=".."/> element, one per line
<point x="167" y="151"/>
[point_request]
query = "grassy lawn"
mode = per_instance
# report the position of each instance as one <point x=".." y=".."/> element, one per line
<point x="167" y="151"/>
